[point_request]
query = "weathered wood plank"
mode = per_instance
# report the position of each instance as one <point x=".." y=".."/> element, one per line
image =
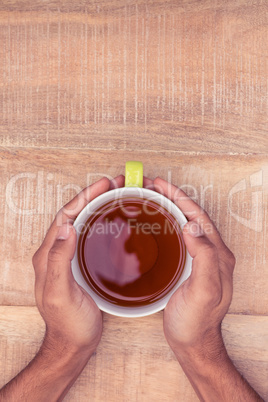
<point x="183" y="82"/>
<point x="133" y="361"/>
<point x="28" y="204"/>
<point x="115" y="75"/>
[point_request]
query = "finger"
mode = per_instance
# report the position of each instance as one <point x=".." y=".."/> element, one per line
<point x="227" y="287"/>
<point x="191" y="210"/>
<point x="195" y="240"/>
<point x="59" y="277"/>
<point x="205" y="279"/>
<point x="226" y="266"/>
<point x="117" y="182"/>
<point x="69" y="212"/>
<point x="148" y="183"/>
<point x="39" y="262"/>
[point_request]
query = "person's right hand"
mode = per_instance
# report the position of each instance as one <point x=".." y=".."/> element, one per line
<point x="193" y="316"/>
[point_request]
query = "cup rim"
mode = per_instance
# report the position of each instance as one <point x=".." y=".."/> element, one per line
<point x="124" y="311"/>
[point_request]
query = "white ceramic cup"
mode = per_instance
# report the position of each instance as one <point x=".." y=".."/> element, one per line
<point x="79" y="223"/>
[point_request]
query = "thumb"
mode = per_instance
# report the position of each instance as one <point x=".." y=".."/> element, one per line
<point x="204" y="253"/>
<point x="195" y="240"/>
<point x="61" y="254"/>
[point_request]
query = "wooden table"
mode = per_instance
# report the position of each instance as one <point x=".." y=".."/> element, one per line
<point x="180" y="85"/>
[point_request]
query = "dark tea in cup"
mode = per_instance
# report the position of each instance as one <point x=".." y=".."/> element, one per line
<point x="131" y="251"/>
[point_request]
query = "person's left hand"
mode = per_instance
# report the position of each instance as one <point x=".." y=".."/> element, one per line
<point x="73" y="320"/>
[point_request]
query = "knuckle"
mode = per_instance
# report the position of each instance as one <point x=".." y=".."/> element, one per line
<point x="213" y="297"/>
<point x="216" y="297"/>
<point x="40" y="256"/>
<point x="211" y="294"/>
<point x="52" y="302"/>
<point x="35" y="258"/>
<point x="231" y="259"/>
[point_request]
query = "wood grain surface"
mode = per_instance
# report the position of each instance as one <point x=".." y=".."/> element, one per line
<point x="158" y="75"/>
<point x="180" y="85"/>
<point x="133" y="361"/>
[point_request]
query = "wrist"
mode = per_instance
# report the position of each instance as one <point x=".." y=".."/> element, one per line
<point x="207" y="352"/>
<point x="65" y="357"/>
<point x="196" y="361"/>
<point x="60" y="346"/>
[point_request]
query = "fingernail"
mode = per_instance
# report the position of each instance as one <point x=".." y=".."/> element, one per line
<point x="193" y="229"/>
<point x="64" y="232"/>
